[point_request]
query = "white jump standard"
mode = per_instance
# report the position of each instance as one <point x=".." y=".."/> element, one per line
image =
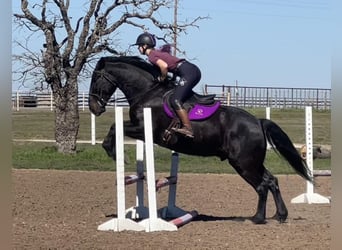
<point x="121" y="222"/>
<point x="139" y="217"/>
<point x="309" y="197"/>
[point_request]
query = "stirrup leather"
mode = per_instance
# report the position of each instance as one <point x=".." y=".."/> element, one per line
<point x="175" y="124"/>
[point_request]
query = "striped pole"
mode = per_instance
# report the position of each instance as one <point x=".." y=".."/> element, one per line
<point x="171" y="180"/>
<point x="186" y="218"/>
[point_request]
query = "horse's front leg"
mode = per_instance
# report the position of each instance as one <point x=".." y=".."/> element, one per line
<point x="109" y="141"/>
<point x="134" y="131"/>
<point x="130" y="130"/>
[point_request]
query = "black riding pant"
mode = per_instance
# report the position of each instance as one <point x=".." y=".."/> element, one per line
<point x="189" y="75"/>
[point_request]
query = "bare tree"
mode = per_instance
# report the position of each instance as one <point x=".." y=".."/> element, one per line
<point x="63" y="57"/>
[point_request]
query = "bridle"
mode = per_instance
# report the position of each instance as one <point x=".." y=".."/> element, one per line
<point x="102" y="102"/>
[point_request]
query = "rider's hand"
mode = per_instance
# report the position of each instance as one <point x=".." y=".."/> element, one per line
<point x="161" y="79"/>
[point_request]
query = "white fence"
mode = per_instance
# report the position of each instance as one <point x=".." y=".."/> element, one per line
<point x="45" y="100"/>
<point x="274" y="97"/>
<point x="246" y="97"/>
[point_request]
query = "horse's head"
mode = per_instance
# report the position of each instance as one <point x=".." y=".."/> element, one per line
<point x="102" y="87"/>
<point x="132" y="75"/>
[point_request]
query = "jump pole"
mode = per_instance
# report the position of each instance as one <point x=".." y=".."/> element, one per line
<point x="309" y="197"/>
<point x="155" y="219"/>
<point x="120" y="223"/>
<point x="93" y="129"/>
<point x="179" y="216"/>
<point x="186" y="218"/>
<point x="153" y="223"/>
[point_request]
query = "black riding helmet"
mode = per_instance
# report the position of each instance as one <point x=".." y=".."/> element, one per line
<point x="146" y="38"/>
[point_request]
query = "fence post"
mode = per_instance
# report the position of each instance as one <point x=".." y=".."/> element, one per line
<point x="83" y="102"/>
<point x="18" y="101"/>
<point x="268" y="117"/>
<point x="93" y="129"/>
<point x="51" y="101"/>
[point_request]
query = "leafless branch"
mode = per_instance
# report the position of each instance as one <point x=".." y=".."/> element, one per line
<point x="66" y="57"/>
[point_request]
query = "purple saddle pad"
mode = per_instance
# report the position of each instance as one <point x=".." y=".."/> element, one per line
<point x="198" y="112"/>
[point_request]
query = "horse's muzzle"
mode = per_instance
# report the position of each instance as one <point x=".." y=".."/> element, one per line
<point x="95" y="106"/>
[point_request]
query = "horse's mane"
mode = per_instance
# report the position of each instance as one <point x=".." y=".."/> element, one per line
<point x="133" y="60"/>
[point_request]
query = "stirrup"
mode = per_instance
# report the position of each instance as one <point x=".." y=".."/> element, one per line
<point x="184" y="131"/>
<point x="168" y="133"/>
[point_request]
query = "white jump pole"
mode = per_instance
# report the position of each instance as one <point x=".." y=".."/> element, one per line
<point x="153" y="223"/>
<point x="93" y="129"/>
<point x="120" y="223"/>
<point x="150" y="221"/>
<point x="309" y="197"/>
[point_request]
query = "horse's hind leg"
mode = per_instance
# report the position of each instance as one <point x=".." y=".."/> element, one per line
<point x="262" y="191"/>
<point x="281" y="212"/>
<point x="258" y="178"/>
<point x="269" y="182"/>
<point x="263" y="181"/>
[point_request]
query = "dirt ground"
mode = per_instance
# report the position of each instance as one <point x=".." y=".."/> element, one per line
<point x="62" y="209"/>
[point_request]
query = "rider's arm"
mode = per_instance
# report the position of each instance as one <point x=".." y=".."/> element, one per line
<point x="163" y="68"/>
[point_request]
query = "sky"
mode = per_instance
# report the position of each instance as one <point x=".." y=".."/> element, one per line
<point x="273" y="43"/>
<point x="280" y="43"/>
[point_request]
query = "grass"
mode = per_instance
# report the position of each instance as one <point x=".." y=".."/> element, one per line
<point x="88" y="157"/>
<point x="292" y="121"/>
<point x="39" y="124"/>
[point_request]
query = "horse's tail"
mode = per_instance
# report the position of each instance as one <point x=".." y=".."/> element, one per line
<point x="282" y="144"/>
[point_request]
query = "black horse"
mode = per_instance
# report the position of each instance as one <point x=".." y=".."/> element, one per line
<point x="229" y="133"/>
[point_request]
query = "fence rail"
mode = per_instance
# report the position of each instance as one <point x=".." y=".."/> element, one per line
<point x="252" y="97"/>
<point x="239" y="96"/>
<point x="45" y="100"/>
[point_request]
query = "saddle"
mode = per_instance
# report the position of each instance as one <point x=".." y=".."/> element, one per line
<point x="199" y="107"/>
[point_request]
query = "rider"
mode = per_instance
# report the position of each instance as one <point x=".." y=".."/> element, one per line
<point x="189" y="75"/>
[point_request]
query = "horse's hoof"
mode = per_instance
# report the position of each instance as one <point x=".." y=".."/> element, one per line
<point x="258" y="220"/>
<point x="280" y="218"/>
<point x="281" y="221"/>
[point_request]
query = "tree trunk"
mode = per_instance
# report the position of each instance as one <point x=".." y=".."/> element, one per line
<point x="66" y="119"/>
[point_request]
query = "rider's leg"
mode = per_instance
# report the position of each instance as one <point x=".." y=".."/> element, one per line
<point x="190" y="76"/>
<point x="186" y="128"/>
